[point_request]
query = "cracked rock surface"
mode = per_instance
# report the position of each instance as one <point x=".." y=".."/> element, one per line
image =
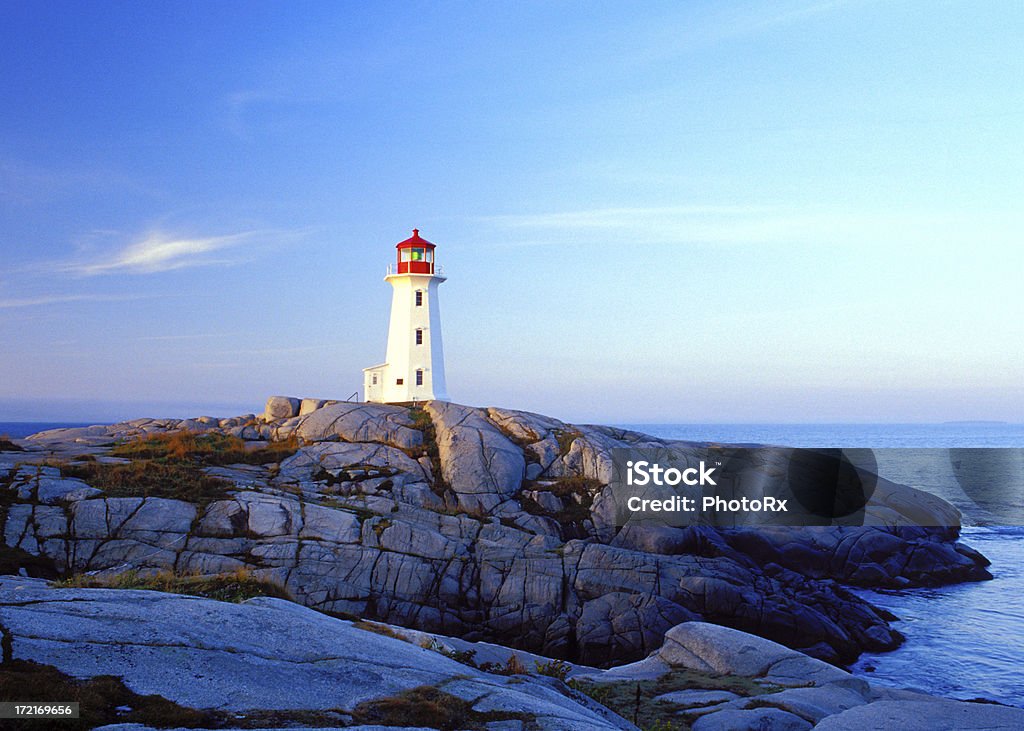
<point x="484" y="524"/>
<point x="274" y="655"/>
<point x="267" y="654"/>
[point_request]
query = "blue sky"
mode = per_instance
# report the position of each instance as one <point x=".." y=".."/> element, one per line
<point x="792" y="211"/>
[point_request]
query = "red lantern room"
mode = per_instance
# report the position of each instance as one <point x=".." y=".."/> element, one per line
<point x="415" y="255"/>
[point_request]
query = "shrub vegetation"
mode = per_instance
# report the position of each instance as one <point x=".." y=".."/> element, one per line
<point x="171" y="465"/>
<point x="635" y="700"/>
<point x="6" y="445"/>
<point x="430" y="707"/>
<point x="235" y="587"/>
<point x="98" y="699"/>
<point x="150" y="478"/>
<point x="208" y="449"/>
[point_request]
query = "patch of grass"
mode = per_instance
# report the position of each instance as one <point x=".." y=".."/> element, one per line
<point x="362" y="513"/>
<point x="380" y="526"/>
<point x="519" y="441"/>
<point x="150" y="478"/>
<point x="98" y="699"/>
<point x="322" y="475"/>
<point x="13" y="559"/>
<point x="208" y="449"/>
<point x="433" y="708"/>
<point x="421" y="420"/>
<point x="378" y="629"/>
<point x="234" y="587"/>
<point x="463" y="657"/>
<point x="6" y="445"/>
<point x="512" y="666"/>
<point x="766" y="703"/>
<point x="565" y="438"/>
<point x="634" y="700"/>
<point x="554" y="668"/>
<point x="577" y="494"/>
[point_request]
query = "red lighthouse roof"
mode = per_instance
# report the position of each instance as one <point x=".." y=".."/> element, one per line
<point x="414" y="240"/>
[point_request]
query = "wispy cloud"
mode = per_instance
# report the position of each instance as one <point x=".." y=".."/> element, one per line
<point x="160" y="252"/>
<point x="274" y="351"/>
<point x="757" y="225"/>
<point x="719" y="224"/>
<point x="693" y="27"/>
<point x="238" y="106"/>
<point x="25" y="183"/>
<point x="614" y="218"/>
<point x="794" y="14"/>
<point x="62" y="299"/>
<point x="200" y="336"/>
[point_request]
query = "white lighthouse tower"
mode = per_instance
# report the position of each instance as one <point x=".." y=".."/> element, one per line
<point x="414" y="370"/>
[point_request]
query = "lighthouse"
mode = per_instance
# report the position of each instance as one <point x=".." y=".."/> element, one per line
<point x="414" y="369"/>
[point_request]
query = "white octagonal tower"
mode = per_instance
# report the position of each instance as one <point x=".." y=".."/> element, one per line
<point x="414" y="369"/>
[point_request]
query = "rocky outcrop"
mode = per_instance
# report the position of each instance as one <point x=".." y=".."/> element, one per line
<point x="277" y="664"/>
<point x="488" y="524"/>
<point x="787" y="689"/>
<point x="263" y="656"/>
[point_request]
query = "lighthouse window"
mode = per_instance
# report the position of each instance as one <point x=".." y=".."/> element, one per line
<point x="419" y="378"/>
<point x="417" y="254"/>
<point x="399" y="381"/>
<point x="419" y="336"/>
<point x="419" y="297"/>
<point x="374" y="379"/>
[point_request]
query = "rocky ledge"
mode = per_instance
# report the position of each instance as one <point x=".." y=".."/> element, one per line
<point x="165" y="660"/>
<point x="483" y="524"/>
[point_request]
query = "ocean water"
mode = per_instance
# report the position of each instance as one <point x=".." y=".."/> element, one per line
<point x="22" y="429"/>
<point x="953" y="435"/>
<point x="963" y="641"/>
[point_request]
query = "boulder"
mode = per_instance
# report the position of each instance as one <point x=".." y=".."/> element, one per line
<point x="309" y="461"/>
<point x="712" y="648"/>
<point x="761" y="719"/>
<point x="814" y="704"/>
<point x="309" y="405"/>
<point x="481" y="465"/>
<point x="54" y="491"/>
<point x="280" y="407"/>
<point x="934" y="714"/>
<point x="696" y="697"/>
<point x="523" y="425"/>
<point x="361" y="422"/>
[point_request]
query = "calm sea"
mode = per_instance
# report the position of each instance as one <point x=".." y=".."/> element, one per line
<point x="956" y="435"/>
<point x="963" y="641"/>
<point x="21" y="429"/>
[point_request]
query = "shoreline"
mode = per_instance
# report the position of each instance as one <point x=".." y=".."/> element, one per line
<point x="362" y="475"/>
